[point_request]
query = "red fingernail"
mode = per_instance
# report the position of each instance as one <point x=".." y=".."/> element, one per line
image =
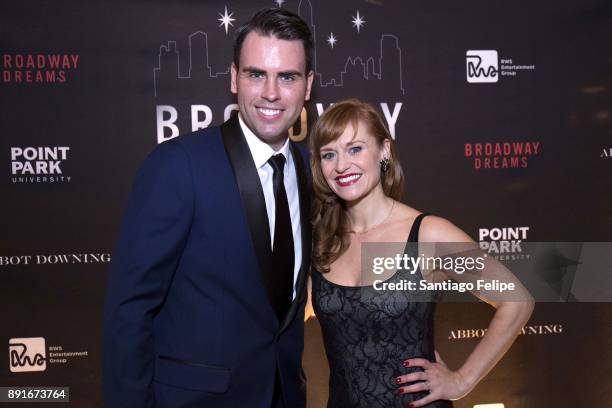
<point x="411" y="406"/>
<point x="400" y="391"/>
<point x="398" y="380"/>
<point x="406" y="363"/>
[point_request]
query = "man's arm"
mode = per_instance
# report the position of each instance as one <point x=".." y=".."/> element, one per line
<point x="152" y="237"/>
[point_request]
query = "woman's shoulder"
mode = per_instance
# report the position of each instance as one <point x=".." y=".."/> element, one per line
<point x="439" y="229"/>
<point x="433" y="228"/>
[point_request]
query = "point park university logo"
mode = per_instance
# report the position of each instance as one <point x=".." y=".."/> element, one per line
<point x="40" y="164"/>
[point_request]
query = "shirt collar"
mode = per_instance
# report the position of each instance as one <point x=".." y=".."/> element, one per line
<point x="260" y="150"/>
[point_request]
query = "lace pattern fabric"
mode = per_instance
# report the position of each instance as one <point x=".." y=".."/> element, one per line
<point x="368" y="334"/>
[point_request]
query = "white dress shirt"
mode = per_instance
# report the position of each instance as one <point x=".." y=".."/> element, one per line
<point x="261" y="153"/>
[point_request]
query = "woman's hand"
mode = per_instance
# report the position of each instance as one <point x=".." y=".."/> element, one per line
<point x="441" y="382"/>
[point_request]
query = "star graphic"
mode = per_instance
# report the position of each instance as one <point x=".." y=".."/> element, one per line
<point x="226" y="20"/>
<point x="358" y="21"/>
<point x="331" y="40"/>
<point x="279" y="3"/>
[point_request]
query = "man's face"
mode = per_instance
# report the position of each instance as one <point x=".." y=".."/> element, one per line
<point x="271" y="85"/>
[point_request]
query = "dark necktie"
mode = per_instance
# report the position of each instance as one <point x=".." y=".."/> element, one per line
<point x="282" y="249"/>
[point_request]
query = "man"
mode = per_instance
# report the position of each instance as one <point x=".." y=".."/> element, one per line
<point x="206" y="293"/>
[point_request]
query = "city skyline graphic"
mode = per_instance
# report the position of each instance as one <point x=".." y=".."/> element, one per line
<point x="379" y="70"/>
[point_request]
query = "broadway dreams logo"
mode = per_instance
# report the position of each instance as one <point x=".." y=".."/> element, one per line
<point x="501" y="155"/>
<point x="38" y="68"/>
<point x="27" y="354"/>
<point x="483" y="66"/>
<point x="39" y="164"/>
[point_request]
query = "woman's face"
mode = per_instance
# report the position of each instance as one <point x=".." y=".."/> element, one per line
<point x="351" y="163"/>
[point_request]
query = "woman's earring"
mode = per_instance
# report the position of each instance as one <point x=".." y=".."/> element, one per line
<point x="385" y="164"/>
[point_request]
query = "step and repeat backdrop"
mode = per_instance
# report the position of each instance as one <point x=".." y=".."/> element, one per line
<point x="502" y="113"/>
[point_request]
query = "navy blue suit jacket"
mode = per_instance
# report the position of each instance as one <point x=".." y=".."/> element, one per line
<point x="187" y="319"/>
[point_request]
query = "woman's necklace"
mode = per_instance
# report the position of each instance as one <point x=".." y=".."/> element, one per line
<point x="378" y="224"/>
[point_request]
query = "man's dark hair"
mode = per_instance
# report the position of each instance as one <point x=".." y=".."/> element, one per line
<point x="279" y="23"/>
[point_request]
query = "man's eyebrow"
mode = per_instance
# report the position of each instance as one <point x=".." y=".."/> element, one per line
<point x="252" y="69"/>
<point x="288" y="73"/>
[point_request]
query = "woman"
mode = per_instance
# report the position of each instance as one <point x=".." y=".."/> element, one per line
<point x="380" y="345"/>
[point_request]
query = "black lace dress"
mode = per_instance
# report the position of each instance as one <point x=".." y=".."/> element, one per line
<point x="367" y="336"/>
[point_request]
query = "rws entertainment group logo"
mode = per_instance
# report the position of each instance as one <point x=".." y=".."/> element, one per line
<point x="481" y="66"/>
<point x="484" y="66"/>
<point x="501" y="155"/>
<point x="38" y="68"/>
<point x="39" y="164"/>
<point x="29" y="354"/>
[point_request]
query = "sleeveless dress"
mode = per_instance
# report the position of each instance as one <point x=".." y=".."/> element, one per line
<point x="368" y="334"/>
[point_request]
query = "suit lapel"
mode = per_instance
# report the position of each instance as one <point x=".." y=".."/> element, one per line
<point x="251" y="196"/>
<point x="254" y="205"/>
<point x="304" y="195"/>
